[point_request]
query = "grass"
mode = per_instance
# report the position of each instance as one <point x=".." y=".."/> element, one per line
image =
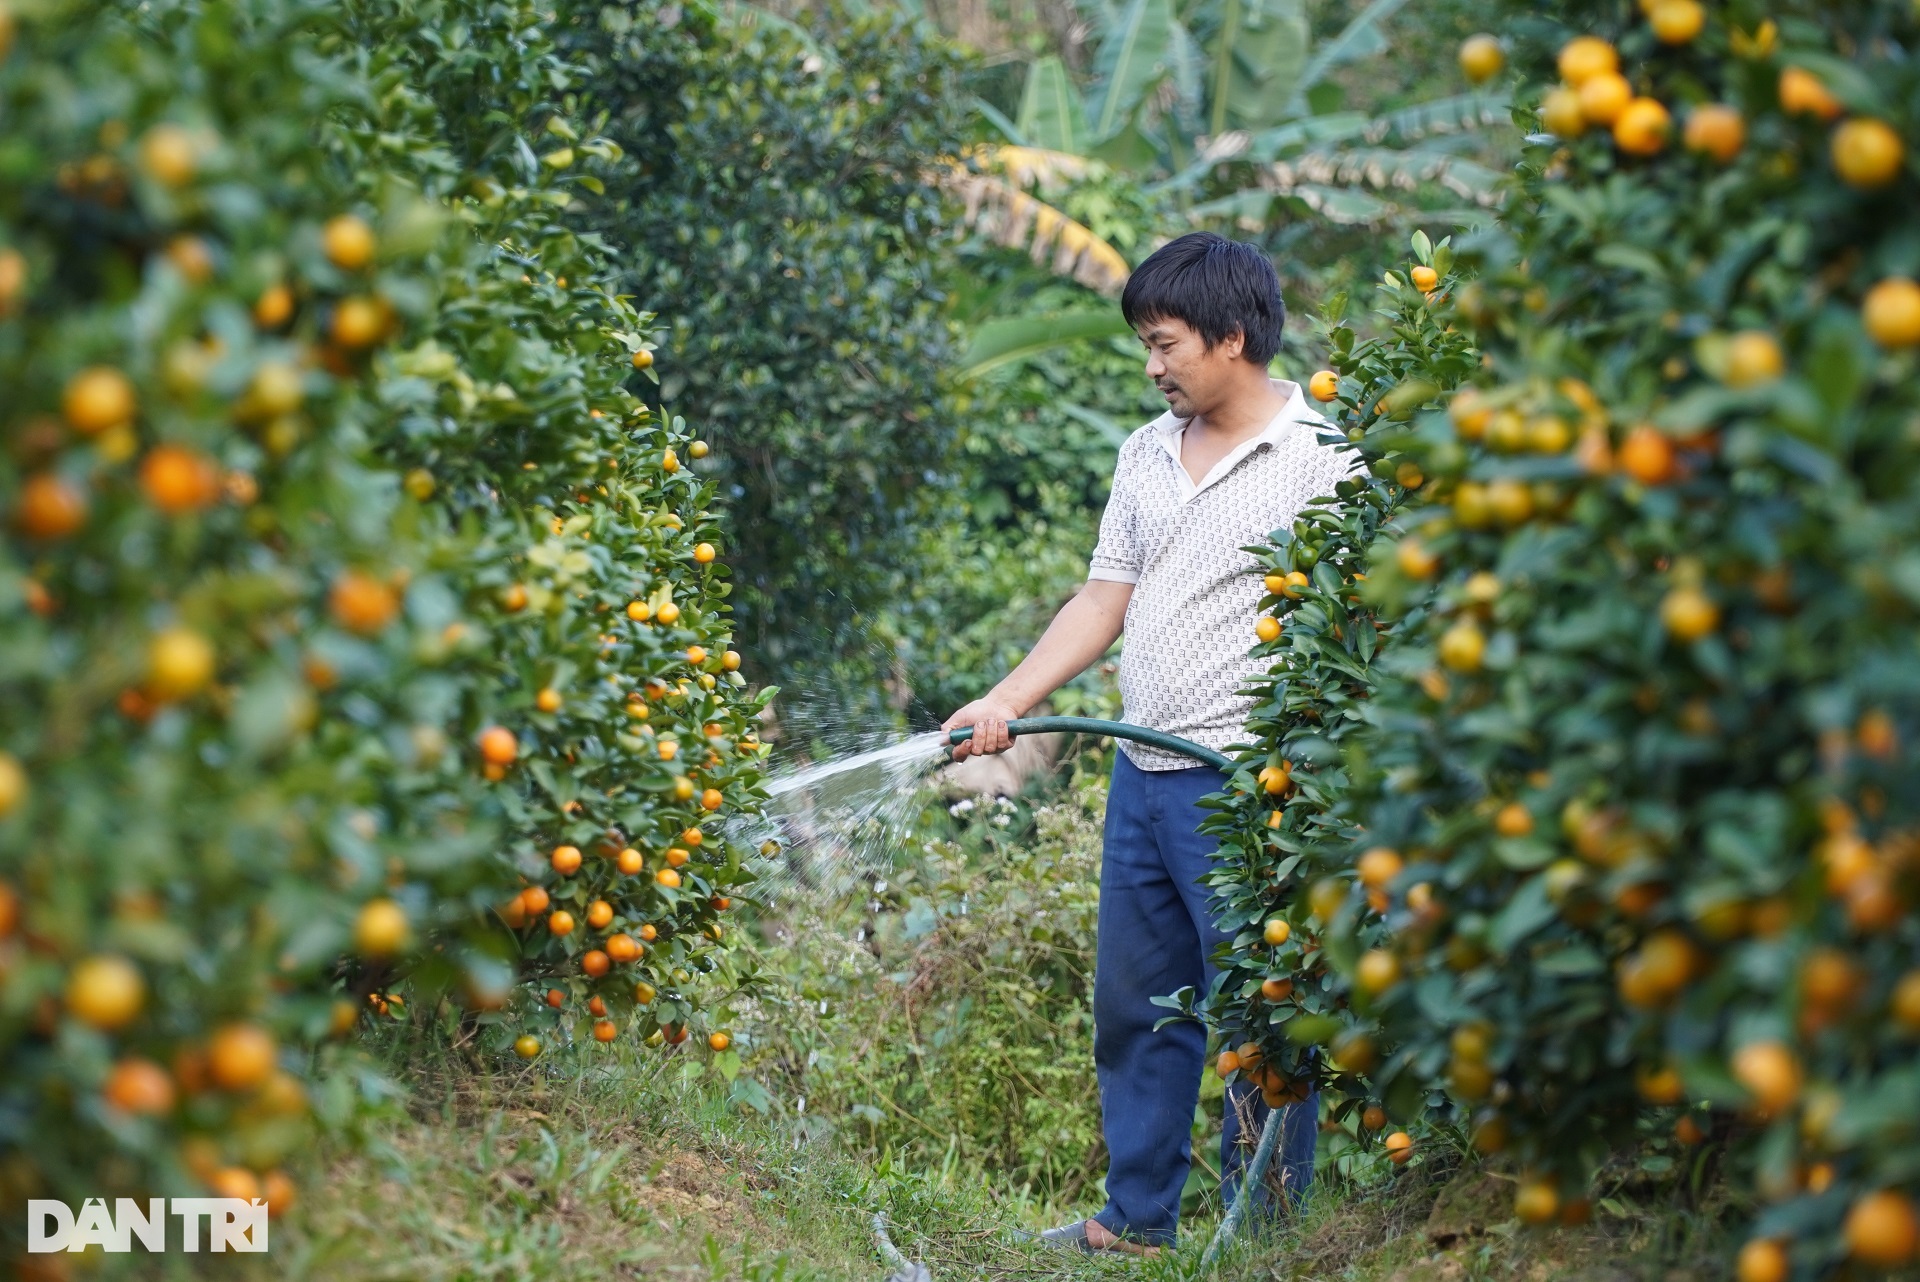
<point x="623" y="1164"/>
<point x="612" y="1164"/>
<point x="1450" y="1220"/>
<point x="619" y="1165"/>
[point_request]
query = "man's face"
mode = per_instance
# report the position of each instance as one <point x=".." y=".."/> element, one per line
<point x="1192" y="378"/>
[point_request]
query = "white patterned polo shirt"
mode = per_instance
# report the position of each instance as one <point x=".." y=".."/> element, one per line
<point x="1189" y="624"/>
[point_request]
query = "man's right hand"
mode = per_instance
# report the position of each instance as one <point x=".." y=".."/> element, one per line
<point x="1078" y="635"/>
<point x="988" y="717"/>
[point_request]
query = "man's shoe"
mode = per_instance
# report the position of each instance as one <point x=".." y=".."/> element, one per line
<point x="1068" y="1237"/>
<point x="1073" y="1237"/>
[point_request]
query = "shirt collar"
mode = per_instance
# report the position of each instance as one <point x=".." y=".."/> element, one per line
<point x="1166" y="427"/>
<point x="1286" y="422"/>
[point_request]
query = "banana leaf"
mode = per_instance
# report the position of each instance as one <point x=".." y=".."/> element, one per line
<point x="1002" y="342"/>
<point x="1360" y="39"/>
<point x="1051" y="115"/>
<point x="1131" y="59"/>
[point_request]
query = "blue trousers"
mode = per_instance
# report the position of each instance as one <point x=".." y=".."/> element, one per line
<point x="1157" y="934"/>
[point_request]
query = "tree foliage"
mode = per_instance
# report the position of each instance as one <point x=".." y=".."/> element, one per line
<point x="1290" y="812"/>
<point x="344" y="578"/>
<point x="1624" y="836"/>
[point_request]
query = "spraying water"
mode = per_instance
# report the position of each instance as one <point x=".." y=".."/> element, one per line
<point x="830" y="825"/>
<point x="910" y="754"/>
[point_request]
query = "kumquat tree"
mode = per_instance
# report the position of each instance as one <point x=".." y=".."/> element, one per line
<point x="363" y="647"/>
<point x="1324" y="637"/>
<point x="1610" y="836"/>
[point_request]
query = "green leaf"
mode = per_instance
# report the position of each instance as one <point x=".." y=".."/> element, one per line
<point x="1526" y="912"/>
<point x="1385" y="167"/>
<point x="1223" y="64"/>
<point x="1569" y="961"/>
<point x="1271" y="144"/>
<point x="1266" y="146"/>
<point x="1115" y="431"/>
<point x="746" y="1091"/>
<point x="1837" y="366"/>
<point x="1631" y="258"/>
<point x="1051" y="114"/>
<point x="1406" y="1097"/>
<point x="1001" y="342"/>
<point x="1131" y="58"/>
<point x="1242" y="207"/>
<point x="1312" y="1030"/>
<point x="1455" y="114"/>
<point x="1361" y="38"/>
<point x="1264" y="50"/>
<point x="1343" y="205"/>
<point x="1185" y="61"/>
<point x="1129" y="149"/>
<point x="998" y="119"/>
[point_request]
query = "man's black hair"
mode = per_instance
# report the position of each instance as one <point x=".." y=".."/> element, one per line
<point x="1218" y="286"/>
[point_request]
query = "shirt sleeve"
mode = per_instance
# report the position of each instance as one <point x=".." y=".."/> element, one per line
<point x="1116" y="558"/>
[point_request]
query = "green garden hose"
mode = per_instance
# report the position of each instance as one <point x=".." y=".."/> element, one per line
<point x="1250" y="1179"/>
<point x="1256" y="1171"/>
<point x="1113" y="730"/>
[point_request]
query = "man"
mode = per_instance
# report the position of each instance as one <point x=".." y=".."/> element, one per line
<point x="1236" y="456"/>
